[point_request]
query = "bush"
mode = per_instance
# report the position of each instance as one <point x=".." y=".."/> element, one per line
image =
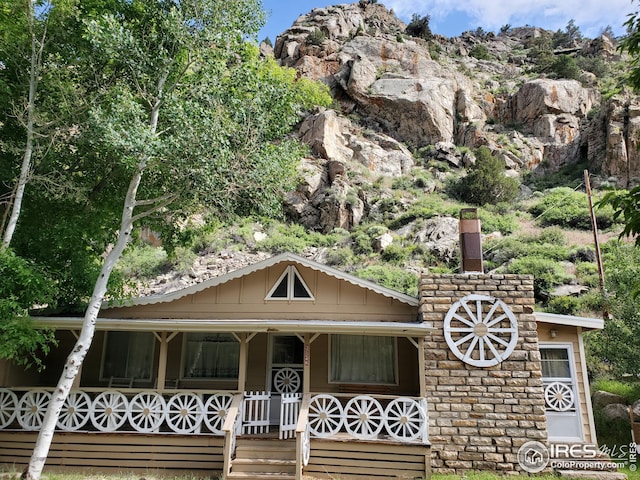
<point x="485" y="182"/>
<point x="570" y="209"/>
<point x="316" y="37"/>
<point x="565" y="66"/>
<point x="419" y="27"/>
<point x="479" y="51"/>
<point x="547" y="273"/>
<point x="395" y="278"/>
<point x="143" y="262"/>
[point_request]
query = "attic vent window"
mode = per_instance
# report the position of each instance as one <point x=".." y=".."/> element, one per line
<point x="290" y="286"/>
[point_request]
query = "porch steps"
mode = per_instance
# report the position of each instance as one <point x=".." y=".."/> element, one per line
<point x="264" y="458"/>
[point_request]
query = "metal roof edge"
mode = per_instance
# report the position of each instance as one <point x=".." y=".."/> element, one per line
<point x="570" y="320"/>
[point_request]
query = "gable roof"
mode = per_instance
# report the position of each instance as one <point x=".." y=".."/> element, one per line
<point x="269" y="262"/>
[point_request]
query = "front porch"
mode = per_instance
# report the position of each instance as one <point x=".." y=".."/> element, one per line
<point x="211" y="432"/>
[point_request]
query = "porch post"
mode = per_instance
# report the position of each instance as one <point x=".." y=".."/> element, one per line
<point x="162" y="361"/>
<point x="422" y="368"/>
<point x="306" y="368"/>
<point x="242" y="367"/>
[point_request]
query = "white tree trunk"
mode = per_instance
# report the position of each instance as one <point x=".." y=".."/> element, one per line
<point x="16" y="204"/>
<point x="77" y="355"/>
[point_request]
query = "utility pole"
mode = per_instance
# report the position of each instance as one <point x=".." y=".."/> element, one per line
<point x="594" y="226"/>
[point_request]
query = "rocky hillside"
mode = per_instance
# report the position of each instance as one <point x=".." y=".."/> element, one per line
<point x="409" y="113"/>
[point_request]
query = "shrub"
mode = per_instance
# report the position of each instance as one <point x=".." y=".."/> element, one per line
<point x="316" y="37"/>
<point x="570" y="209"/>
<point x="547" y="273"/>
<point x="419" y="27"/>
<point x="565" y="66"/>
<point x="144" y="261"/>
<point x="479" y="51"/>
<point x="389" y="276"/>
<point x="485" y="182"/>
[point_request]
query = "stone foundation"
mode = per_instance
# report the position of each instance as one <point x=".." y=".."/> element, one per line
<point x="480" y="416"/>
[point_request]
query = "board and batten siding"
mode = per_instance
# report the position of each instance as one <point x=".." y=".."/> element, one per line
<point x="241" y="298"/>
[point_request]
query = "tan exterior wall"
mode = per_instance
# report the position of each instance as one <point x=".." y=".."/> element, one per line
<point x="480" y="416"/>
<point x="571" y="335"/>
<point x="243" y="298"/>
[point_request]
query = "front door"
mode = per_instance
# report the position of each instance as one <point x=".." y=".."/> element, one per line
<point x="286" y="357"/>
<point x="564" y="422"/>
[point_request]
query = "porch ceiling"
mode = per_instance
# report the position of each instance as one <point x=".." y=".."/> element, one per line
<point x="404" y="329"/>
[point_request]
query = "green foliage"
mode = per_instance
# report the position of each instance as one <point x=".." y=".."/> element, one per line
<point x="395" y="278"/>
<point x="565" y="66"/>
<point x="626" y="207"/>
<point x="316" y="37"/>
<point x="568" y="208"/>
<point x="480" y="51"/>
<point x="611" y="432"/>
<point x="23" y="285"/>
<point x="631" y="44"/>
<point x="494" y="221"/>
<point x="595" y="65"/>
<point x="419" y="27"/>
<point x="485" y="182"/>
<point x="143" y="262"/>
<point x="629" y="391"/>
<point x="617" y="345"/>
<point x="568" y="37"/>
<point x="547" y="272"/>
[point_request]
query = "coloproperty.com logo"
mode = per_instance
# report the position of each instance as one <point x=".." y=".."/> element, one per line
<point x="534" y="457"/>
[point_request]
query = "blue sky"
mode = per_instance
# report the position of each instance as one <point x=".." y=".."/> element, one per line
<point x="452" y="17"/>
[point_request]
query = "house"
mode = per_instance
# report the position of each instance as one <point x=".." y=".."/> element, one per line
<point x="290" y="367"/>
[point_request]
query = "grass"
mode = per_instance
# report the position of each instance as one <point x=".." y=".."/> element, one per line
<point x="629" y="391"/>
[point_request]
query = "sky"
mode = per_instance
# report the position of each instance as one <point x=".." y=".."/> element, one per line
<point x="452" y="17"/>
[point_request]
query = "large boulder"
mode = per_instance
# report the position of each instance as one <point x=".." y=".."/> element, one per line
<point x="602" y="398"/>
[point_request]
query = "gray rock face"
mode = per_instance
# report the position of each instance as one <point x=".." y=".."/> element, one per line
<point x="616" y="411"/>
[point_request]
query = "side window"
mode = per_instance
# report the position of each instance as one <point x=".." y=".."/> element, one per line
<point x="363" y="359"/>
<point x="128" y="355"/>
<point x="210" y="356"/>
<point x="558" y="378"/>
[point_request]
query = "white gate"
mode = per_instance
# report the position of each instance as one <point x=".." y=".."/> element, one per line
<point x="255" y="412"/>
<point x="289" y="408"/>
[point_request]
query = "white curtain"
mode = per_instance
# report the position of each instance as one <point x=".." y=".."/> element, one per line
<point x="211" y="356"/>
<point x="555" y="363"/>
<point x="363" y="359"/>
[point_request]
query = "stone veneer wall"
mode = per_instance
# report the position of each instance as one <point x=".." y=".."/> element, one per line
<point x="479" y="417"/>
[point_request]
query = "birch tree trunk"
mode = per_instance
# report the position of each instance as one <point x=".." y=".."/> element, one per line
<point x="16" y="204"/>
<point x="82" y="345"/>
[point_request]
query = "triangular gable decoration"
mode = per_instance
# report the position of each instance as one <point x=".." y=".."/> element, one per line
<point x="290" y="286"/>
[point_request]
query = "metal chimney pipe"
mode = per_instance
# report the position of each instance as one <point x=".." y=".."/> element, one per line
<point x="470" y="241"/>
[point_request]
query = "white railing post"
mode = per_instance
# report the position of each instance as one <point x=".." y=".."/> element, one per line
<point x="230" y="429"/>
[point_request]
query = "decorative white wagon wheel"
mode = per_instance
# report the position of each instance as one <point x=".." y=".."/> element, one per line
<point x="326" y="415"/>
<point x="8" y="407"/>
<point x="185" y="412"/>
<point x="558" y="396"/>
<point x="481" y="330"/>
<point x="75" y="411"/>
<point x="363" y="417"/>
<point x="32" y="408"/>
<point x="286" y="380"/>
<point x="109" y="411"/>
<point x="146" y="411"/>
<point x="215" y="411"/>
<point x="404" y="419"/>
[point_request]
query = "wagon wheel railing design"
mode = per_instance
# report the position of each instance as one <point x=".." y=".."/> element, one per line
<point x="8" y="407"/>
<point x="404" y="419"/>
<point x="286" y="380"/>
<point x="146" y="411"/>
<point x="215" y="411"/>
<point x="109" y="411"/>
<point x="326" y="415"/>
<point x="559" y="396"/>
<point x="474" y="330"/>
<point x="32" y="408"/>
<point x="363" y="417"/>
<point x="75" y="411"/>
<point x="185" y="412"/>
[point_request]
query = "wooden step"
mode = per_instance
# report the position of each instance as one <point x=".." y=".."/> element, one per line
<point x="261" y="476"/>
<point x="284" y="452"/>
<point x="263" y="465"/>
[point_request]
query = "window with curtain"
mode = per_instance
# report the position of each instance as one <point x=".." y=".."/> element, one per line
<point x="555" y="363"/>
<point x="128" y="355"/>
<point x="210" y="356"/>
<point x="363" y="359"/>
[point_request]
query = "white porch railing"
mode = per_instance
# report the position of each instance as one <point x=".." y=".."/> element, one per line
<point x="366" y="417"/>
